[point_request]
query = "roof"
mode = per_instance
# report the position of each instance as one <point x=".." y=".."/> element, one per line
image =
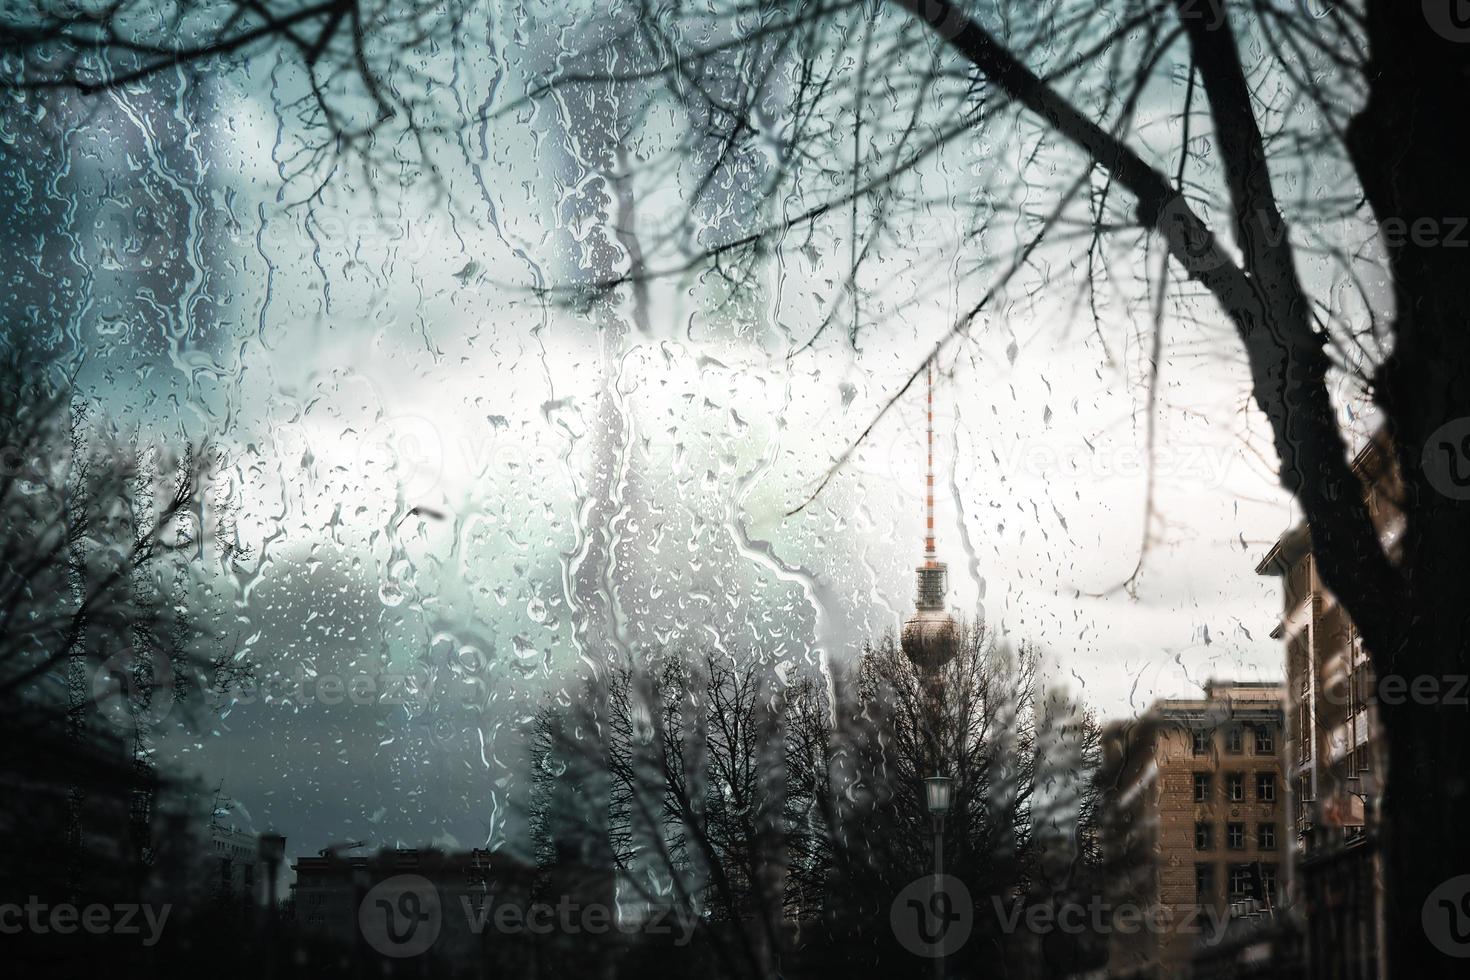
<point x="1258" y="698"/>
<point x="406" y="860"/>
<point x="1370" y="465"/>
<point x="1289" y="549"/>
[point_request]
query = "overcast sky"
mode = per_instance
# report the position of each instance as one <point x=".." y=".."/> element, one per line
<point x="441" y="478"/>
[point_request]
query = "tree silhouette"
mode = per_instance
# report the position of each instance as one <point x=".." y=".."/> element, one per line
<point x="1303" y="136"/>
<point x="98" y="645"/>
<point x="785" y="822"/>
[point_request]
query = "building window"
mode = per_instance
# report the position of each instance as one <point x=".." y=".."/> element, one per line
<point x="1201" y="741"/>
<point x="1204" y="883"/>
<point x="1233" y="741"/>
<point x="1242" y="882"/>
<point x="1201" y="787"/>
<point x="1235" y="836"/>
<point x="1266" y="786"/>
<point x="1268" y="881"/>
<point x="1235" y="787"/>
<point x="1204" y="833"/>
<point x="1266" y="836"/>
<point x="1265" y="740"/>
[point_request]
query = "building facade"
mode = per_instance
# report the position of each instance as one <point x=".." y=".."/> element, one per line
<point x="232" y="864"/>
<point x="1335" y="751"/>
<point x="336" y="897"/>
<point x="1195" y="824"/>
<point x="411" y="912"/>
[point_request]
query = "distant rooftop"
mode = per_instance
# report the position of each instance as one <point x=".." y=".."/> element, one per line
<point x="1222" y="698"/>
<point x="1218" y="684"/>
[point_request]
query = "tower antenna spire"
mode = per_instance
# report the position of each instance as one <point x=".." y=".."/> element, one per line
<point x="929" y="554"/>
<point x="930" y="636"/>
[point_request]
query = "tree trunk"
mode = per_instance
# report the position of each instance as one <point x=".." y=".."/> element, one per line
<point x="1409" y="145"/>
<point x="1424" y="838"/>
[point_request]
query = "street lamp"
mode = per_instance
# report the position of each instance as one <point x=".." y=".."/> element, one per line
<point x="938" y="797"/>
<point x="939" y="794"/>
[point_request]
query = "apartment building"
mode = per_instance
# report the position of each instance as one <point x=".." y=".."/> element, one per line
<point x="1335" y="753"/>
<point x="1195" y="823"/>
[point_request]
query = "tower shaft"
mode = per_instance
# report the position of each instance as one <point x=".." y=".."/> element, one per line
<point x="930" y="636"/>
<point x="929" y="470"/>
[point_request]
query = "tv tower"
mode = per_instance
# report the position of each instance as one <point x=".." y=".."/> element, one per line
<point x="930" y="636"/>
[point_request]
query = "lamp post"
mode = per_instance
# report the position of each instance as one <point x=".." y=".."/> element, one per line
<point x="272" y="850"/>
<point x="938" y="797"/>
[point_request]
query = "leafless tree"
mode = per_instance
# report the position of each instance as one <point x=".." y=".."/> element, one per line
<point x="724" y="798"/>
<point x="1025" y="803"/>
<point x="356" y="66"/>
<point x="698" y="818"/>
<point x="97" y="645"/>
<point x="80" y="522"/>
<point x="1306" y="185"/>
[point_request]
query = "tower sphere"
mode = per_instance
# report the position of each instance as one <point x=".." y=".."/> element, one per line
<point x="930" y="637"/>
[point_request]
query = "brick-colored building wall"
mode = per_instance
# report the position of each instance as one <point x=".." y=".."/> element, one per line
<point x="1196" y="821"/>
